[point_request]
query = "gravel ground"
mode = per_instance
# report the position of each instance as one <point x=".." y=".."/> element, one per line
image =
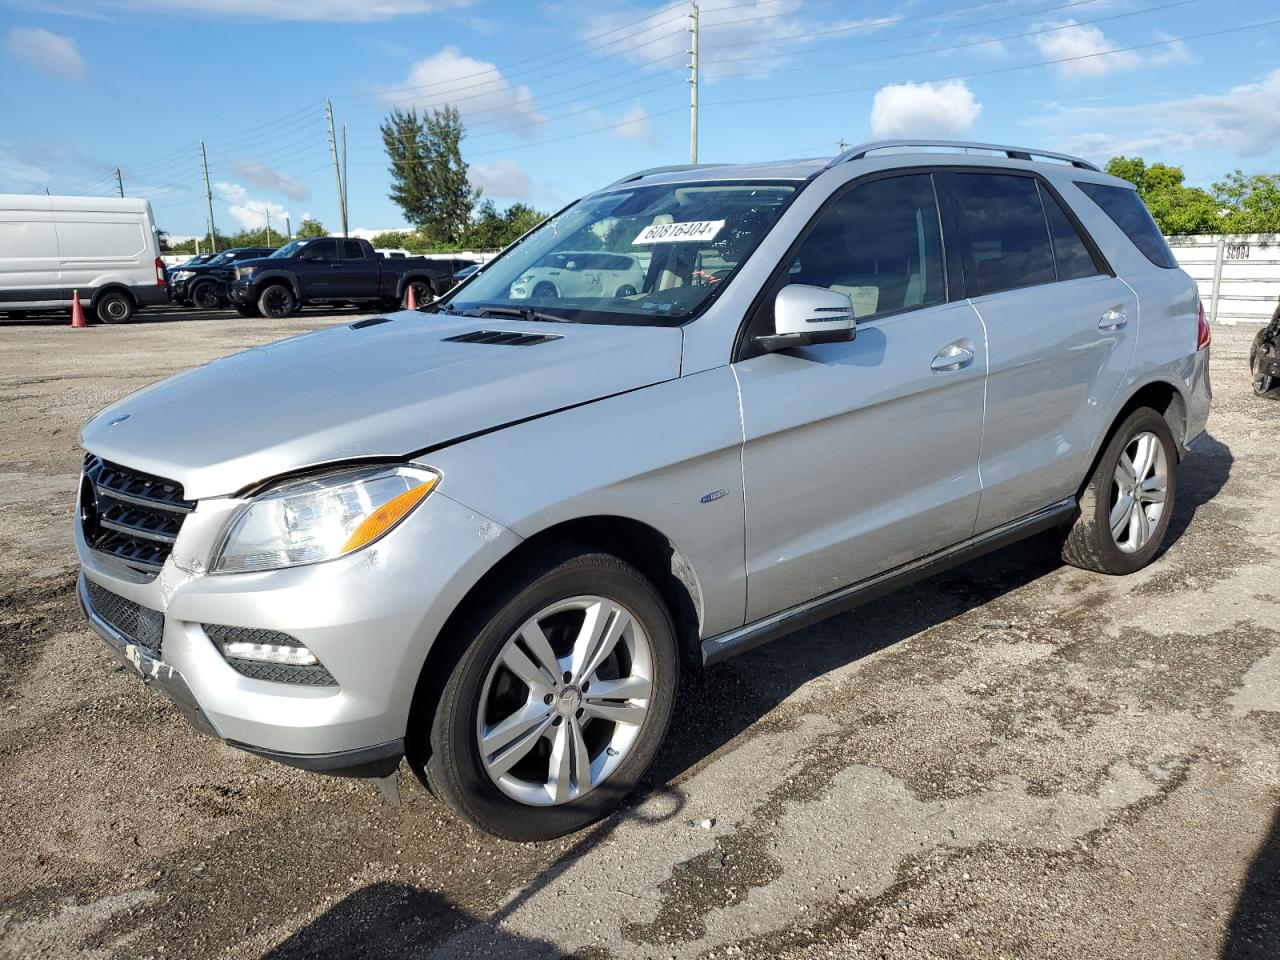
<point x="1017" y="759"/>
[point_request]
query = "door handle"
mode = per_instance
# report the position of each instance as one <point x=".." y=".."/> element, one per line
<point x="335" y="266"/>
<point x="952" y="357"/>
<point x="1113" y="320"/>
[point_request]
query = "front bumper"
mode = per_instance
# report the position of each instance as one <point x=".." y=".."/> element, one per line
<point x="178" y="291"/>
<point x="240" y="293"/>
<point x="371" y="618"/>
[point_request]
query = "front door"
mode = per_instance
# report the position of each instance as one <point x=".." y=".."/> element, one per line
<point x="862" y="456"/>
<point x="319" y="269"/>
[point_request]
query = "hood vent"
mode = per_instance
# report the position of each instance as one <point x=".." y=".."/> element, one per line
<point x="501" y="338"/>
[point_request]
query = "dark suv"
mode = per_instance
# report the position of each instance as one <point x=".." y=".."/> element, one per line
<point x="205" y="284"/>
<point x="1264" y="359"/>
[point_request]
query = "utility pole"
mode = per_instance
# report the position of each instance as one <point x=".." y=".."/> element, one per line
<point x="346" y="196"/>
<point x="119" y="181"/>
<point x="268" y="228"/>
<point x="288" y="227"/>
<point x="337" y="167"/>
<point x="841" y="146"/>
<point x="693" y="83"/>
<point x="208" y="196"/>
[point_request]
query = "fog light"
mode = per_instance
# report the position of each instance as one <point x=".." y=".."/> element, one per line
<point x="271" y="653"/>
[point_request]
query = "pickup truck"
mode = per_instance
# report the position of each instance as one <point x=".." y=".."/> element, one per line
<point x="332" y="270"/>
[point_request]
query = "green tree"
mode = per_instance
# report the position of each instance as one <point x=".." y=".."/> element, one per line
<point x="1133" y="169"/>
<point x="491" y="230"/>
<point x="428" y="175"/>
<point x="1251" y="204"/>
<point x="311" y="228"/>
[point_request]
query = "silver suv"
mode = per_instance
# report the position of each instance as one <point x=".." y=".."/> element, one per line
<point x="489" y="535"/>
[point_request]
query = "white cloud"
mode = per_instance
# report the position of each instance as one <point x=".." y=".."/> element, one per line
<point x="297" y="10"/>
<point x="48" y="53"/>
<point x="1243" y="121"/>
<point x="503" y="178"/>
<point x="1089" y="43"/>
<point x="249" y="212"/>
<point x="767" y="33"/>
<point x="262" y="176"/>
<point x="478" y="89"/>
<point x="636" y="124"/>
<point x="946" y="109"/>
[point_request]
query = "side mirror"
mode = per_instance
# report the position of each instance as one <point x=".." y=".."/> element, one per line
<point x="805" y="315"/>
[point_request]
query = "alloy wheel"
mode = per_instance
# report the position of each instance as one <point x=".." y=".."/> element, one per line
<point x="564" y="701"/>
<point x="1262" y="382"/>
<point x="1138" y="492"/>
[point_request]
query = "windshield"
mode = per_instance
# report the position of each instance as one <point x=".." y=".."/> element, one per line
<point x="289" y="249"/>
<point x="644" y="254"/>
<point x="217" y="258"/>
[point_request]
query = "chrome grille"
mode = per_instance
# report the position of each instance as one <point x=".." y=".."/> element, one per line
<point x="130" y="515"/>
<point x="142" y="625"/>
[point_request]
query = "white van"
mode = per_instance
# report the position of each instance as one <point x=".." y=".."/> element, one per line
<point x="104" y="247"/>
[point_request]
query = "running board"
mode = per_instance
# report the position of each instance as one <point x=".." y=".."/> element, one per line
<point x="756" y="634"/>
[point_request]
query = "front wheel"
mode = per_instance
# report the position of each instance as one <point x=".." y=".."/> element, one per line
<point x="1261" y="356"/>
<point x="205" y="295"/>
<point x="114" y="307"/>
<point x="559" y="702"/>
<point x="1127" y="503"/>
<point x="277" y="302"/>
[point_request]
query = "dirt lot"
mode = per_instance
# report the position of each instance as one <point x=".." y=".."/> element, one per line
<point x="1016" y="760"/>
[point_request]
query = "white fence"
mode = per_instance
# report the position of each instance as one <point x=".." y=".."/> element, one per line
<point x="1239" y="276"/>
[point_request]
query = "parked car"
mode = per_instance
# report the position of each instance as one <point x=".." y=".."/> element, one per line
<point x="195" y="261"/>
<point x="1264" y="359"/>
<point x="491" y="537"/>
<point x="332" y="270"/>
<point x="106" y="248"/>
<point x="580" y="274"/>
<point x="205" y="285"/>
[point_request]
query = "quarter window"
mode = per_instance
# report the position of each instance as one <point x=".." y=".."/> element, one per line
<point x="1130" y="214"/>
<point x="880" y="243"/>
<point x="1007" y="243"/>
<point x="1069" y="250"/>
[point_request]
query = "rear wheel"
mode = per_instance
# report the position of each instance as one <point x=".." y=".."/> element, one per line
<point x="626" y="290"/>
<point x="114" y="307"/>
<point x="422" y="293"/>
<point x="205" y="295"/>
<point x="1261" y="355"/>
<point x="546" y="291"/>
<point x="277" y="302"/>
<point x="1127" y="503"/>
<point x="559" y="702"/>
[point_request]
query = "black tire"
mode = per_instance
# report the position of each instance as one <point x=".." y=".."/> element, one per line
<point x="114" y="306"/>
<point x="626" y="290"/>
<point x="1263" y="384"/>
<point x="1090" y="544"/>
<point x="247" y="310"/>
<point x="277" y="302"/>
<point x="546" y="290"/>
<point x="454" y="769"/>
<point x="422" y="293"/>
<point x="204" y="295"/>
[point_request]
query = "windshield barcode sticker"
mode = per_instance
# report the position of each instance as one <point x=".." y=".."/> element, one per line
<point x="701" y="231"/>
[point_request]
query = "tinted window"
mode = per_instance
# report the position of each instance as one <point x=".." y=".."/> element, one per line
<point x="879" y="243"/>
<point x="322" y="250"/>
<point x="1130" y="214"/>
<point x="1069" y="250"/>
<point x="1008" y="241"/>
<point x="351" y="250"/>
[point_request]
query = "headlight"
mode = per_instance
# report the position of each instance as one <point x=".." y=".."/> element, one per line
<point x="183" y="275"/>
<point x="308" y="521"/>
<point x="244" y="273"/>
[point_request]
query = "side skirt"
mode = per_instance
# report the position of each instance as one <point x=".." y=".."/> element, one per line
<point x="777" y="625"/>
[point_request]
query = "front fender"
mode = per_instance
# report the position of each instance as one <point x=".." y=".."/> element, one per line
<point x="260" y="280"/>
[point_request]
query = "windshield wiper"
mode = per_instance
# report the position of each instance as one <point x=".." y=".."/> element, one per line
<point x="524" y="313"/>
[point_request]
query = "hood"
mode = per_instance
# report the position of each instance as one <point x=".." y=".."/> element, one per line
<point x="387" y="389"/>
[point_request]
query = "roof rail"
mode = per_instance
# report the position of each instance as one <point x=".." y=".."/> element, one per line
<point x="1013" y="153"/>
<point x="651" y="171"/>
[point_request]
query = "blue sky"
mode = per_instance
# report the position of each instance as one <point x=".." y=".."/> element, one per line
<point x="561" y="97"/>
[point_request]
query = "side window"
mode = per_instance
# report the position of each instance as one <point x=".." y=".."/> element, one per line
<point x="1008" y="240"/>
<point x="1069" y="250"/>
<point x="324" y="250"/>
<point x="880" y="243"/>
<point x="351" y="250"/>
<point x="1130" y="214"/>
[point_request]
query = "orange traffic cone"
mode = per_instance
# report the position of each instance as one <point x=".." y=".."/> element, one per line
<point x="411" y="303"/>
<point x="77" y="312"/>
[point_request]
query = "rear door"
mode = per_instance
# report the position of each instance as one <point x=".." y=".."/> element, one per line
<point x="359" y="275"/>
<point x="1060" y="330"/>
<point x="862" y="456"/>
<point x="30" y="271"/>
